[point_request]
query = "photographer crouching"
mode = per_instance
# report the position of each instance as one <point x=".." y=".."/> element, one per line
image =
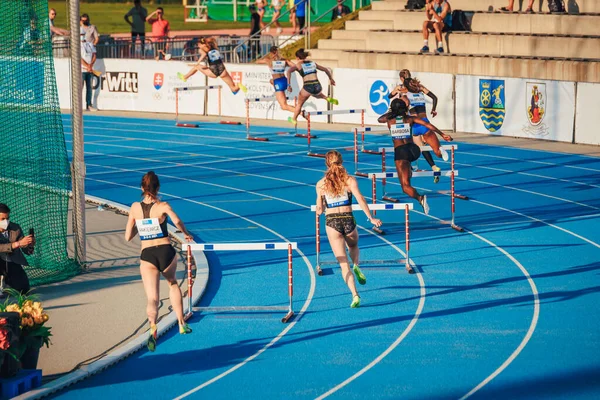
<point x="12" y="246"/>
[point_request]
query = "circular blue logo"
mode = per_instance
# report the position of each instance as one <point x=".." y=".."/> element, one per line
<point x="378" y="97"/>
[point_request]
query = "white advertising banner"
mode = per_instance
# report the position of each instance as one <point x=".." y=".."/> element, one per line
<point x="62" y="68"/>
<point x="528" y="108"/>
<point x="368" y="89"/>
<point x="588" y="117"/>
<point x="257" y="78"/>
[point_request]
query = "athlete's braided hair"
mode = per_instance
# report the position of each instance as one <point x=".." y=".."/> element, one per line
<point x="336" y="175"/>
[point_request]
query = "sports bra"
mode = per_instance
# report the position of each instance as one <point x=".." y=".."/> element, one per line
<point x="417" y="102"/>
<point x="344" y="199"/>
<point x="149" y="228"/>
<point x="278" y="67"/>
<point x="307" y="68"/>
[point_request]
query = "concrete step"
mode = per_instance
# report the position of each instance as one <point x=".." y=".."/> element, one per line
<point x="326" y="63"/>
<point x="369" y="25"/>
<point x="554" y="24"/>
<point x="341" y="44"/>
<point x="476" y="65"/>
<point x="344" y="34"/>
<point x="573" y="7"/>
<point x="325" y="54"/>
<point x="489" y="44"/>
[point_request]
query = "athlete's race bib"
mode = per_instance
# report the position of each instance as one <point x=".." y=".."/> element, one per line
<point x="309" y="68"/>
<point x="416" y="99"/>
<point x="278" y="67"/>
<point x="338" y="201"/>
<point x="149" y="228"/>
<point x="400" y="131"/>
<point x="214" y="55"/>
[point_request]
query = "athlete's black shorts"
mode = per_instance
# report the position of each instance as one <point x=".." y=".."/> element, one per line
<point x="409" y="152"/>
<point x="344" y="222"/>
<point x="160" y="256"/>
<point x="217" y="69"/>
<point x="313" y="88"/>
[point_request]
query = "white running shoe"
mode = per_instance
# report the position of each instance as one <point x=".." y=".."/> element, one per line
<point x="445" y="156"/>
<point x="424" y="205"/>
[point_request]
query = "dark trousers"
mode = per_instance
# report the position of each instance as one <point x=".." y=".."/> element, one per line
<point x="14" y="276"/>
<point x="87" y="81"/>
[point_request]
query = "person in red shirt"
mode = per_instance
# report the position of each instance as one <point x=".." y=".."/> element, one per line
<point x="160" y="32"/>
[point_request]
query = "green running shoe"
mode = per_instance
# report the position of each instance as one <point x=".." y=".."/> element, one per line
<point x="291" y="120"/>
<point x="151" y="343"/>
<point x="333" y="101"/>
<point x="181" y="76"/>
<point x="362" y="279"/>
<point x="355" y="302"/>
<point x="243" y="87"/>
<point x="184" y="329"/>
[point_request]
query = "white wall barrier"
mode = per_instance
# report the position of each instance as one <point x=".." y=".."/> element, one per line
<point x="368" y="89"/>
<point x="528" y="108"/>
<point x="587" y="121"/>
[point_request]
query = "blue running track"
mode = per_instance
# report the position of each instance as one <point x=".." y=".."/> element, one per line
<point x="507" y="309"/>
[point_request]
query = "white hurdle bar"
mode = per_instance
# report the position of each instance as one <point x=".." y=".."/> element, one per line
<point x="373" y="207"/>
<point x="243" y="247"/>
<point x="362" y="150"/>
<point x="249" y="100"/>
<point x="417" y="174"/>
<point x="327" y="112"/>
<point x="185" y="89"/>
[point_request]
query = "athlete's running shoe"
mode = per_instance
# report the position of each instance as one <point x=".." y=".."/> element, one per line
<point x="362" y="279"/>
<point x="151" y="343"/>
<point x="445" y="156"/>
<point x="425" y="49"/>
<point x="184" y="329"/>
<point x="181" y="76"/>
<point x="436" y="178"/>
<point x="291" y="120"/>
<point x="333" y="101"/>
<point x="355" y="302"/>
<point x="243" y="88"/>
<point x="424" y="204"/>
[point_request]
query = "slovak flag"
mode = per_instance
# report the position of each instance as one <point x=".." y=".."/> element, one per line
<point x="158" y="80"/>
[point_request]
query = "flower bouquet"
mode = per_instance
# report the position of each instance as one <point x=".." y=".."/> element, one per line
<point x="33" y="332"/>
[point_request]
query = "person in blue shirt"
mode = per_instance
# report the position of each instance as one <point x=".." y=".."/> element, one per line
<point x="301" y="13"/>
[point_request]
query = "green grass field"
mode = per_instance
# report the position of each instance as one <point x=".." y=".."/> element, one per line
<point x="108" y="17"/>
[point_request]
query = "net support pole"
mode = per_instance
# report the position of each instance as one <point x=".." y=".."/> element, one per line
<point x="78" y="165"/>
<point x="190" y="283"/>
<point x="290" y="313"/>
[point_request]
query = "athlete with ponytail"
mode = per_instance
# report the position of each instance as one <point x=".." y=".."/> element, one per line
<point x="148" y="218"/>
<point x="216" y="67"/>
<point x="334" y="195"/>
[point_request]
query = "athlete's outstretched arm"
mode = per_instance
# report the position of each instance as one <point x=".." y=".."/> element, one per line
<point x="353" y="186"/>
<point x="433" y="97"/>
<point x="433" y="128"/>
<point x="178" y="222"/>
<point x="130" y="228"/>
<point x="328" y="72"/>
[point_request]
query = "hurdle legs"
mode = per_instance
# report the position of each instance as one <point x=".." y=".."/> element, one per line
<point x="309" y="136"/>
<point x="248" y="136"/>
<point x="290" y="313"/>
<point x="190" y="284"/>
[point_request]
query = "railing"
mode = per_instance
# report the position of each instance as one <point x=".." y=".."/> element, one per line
<point x="179" y="47"/>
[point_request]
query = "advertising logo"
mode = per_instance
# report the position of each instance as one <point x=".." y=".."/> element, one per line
<point x="120" y="82"/>
<point x="535" y="100"/>
<point x="158" y="80"/>
<point x="378" y="97"/>
<point x="236" y="76"/>
<point x="491" y="103"/>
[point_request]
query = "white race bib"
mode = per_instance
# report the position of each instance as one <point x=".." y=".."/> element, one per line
<point x="214" y="55"/>
<point x="149" y="228"/>
<point x="278" y="67"/>
<point x="400" y="131"/>
<point x="309" y="68"/>
<point x="416" y="99"/>
<point x="338" y="201"/>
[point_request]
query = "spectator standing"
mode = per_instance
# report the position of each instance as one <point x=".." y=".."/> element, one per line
<point x="511" y="4"/>
<point x="301" y="13"/>
<point x="88" y="58"/>
<point x="255" y="23"/>
<point x="91" y="33"/>
<point x="53" y="29"/>
<point x="160" y="31"/>
<point x="13" y="244"/>
<point x="30" y="40"/>
<point x="340" y="11"/>
<point x="277" y="5"/>
<point x="292" y="6"/>
<point x="138" y="16"/>
<point x="438" y="15"/>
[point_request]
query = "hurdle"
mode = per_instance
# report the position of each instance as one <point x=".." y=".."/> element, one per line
<point x="242" y="247"/>
<point x="260" y="99"/>
<point x="373" y="207"/>
<point x="185" y="89"/>
<point x="452" y="173"/>
<point x="326" y="112"/>
<point x="363" y="129"/>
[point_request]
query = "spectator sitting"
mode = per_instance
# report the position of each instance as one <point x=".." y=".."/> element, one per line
<point x="160" y="31"/>
<point x="340" y="11"/>
<point x="88" y="58"/>
<point x="439" y="19"/>
<point x="12" y="246"/>
<point x="30" y="40"/>
<point x="138" y="15"/>
<point x="91" y="33"/>
<point x="53" y="29"/>
<point x="511" y="4"/>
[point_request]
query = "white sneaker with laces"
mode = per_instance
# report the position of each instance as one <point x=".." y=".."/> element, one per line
<point x="424" y="205"/>
<point x="445" y="156"/>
